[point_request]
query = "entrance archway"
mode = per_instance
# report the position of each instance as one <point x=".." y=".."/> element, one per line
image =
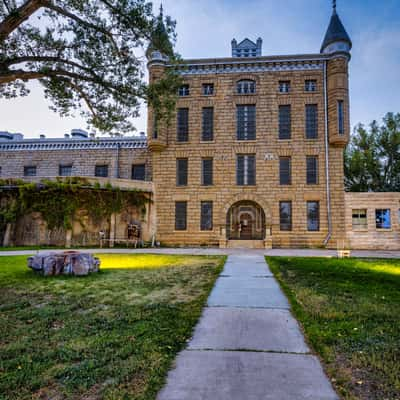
<point x="245" y="220"/>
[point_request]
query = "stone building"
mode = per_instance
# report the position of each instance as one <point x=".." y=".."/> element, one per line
<point x="255" y="157"/>
<point x="252" y="158"/>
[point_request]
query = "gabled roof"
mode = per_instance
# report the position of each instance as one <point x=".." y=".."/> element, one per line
<point x="246" y="43"/>
<point x="335" y="33"/>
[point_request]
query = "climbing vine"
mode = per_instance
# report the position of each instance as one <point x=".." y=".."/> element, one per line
<point x="59" y="201"/>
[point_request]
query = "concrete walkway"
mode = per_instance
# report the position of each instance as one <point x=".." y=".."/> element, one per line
<point x="247" y="345"/>
<point x="216" y="251"/>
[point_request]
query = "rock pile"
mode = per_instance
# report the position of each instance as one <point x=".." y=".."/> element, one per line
<point x="64" y="263"/>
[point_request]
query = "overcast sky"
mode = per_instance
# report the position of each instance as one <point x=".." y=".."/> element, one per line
<point x="206" y="27"/>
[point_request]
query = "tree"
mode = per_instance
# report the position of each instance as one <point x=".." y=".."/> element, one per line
<point x="86" y="55"/>
<point x="372" y="159"/>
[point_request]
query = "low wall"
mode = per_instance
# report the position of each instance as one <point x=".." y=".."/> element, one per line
<point x="371" y="237"/>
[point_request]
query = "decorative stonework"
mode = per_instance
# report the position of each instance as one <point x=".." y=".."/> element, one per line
<point x="249" y="67"/>
<point x="72" y="144"/>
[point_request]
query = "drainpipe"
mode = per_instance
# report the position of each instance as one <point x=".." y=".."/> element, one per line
<point x="328" y="189"/>
<point x="117" y="162"/>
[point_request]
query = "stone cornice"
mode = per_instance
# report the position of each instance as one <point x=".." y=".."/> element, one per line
<point x="73" y="144"/>
<point x="252" y="65"/>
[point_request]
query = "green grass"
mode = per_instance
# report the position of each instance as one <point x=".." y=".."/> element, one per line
<point x="350" y="312"/>
<point x="111" y="335"/>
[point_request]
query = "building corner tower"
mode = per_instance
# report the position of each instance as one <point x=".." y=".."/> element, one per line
<point x="336" y="46"/>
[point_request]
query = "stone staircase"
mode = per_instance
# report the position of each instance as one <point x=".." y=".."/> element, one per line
<point x="245" y="244"/>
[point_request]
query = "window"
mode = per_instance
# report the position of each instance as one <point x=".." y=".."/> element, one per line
<point x="206" y="220"/>
<point x="183" y="125"/>
<point x="30" y="170"/>
<point x="310" y="85"/>
<point x="313" y="216"/>
<point x="208" y="89"/>
<point x="284" y="86"/>
<point x="182" y="171"/>
<point x="180" y="215"/>
<point x="246" y="86"/>
<point x="340" y="117"/>
<point x="139" y="172"/>
<point x="359" y="218"/>
<point x="285" y="215"/>
<point x="246" y="169"/>
<point x="312" y="170"/>
<point x="155" y="127"/>
<point x="208" y="124"/>
<point x="311" y="121"/>
<point x="246" y="122"/>
<point x="207" y="171"/>
<point x="382" y="218"/>
<point x="285" y="123"/>
<point x="101" y="171"/>
<point x="285" y="173"/>
<point x="65" y="170"/>
<point x="183" y="91"/>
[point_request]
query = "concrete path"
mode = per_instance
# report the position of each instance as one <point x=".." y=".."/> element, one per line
<point x="247" y="345"/>
<point x="217" y="251"/>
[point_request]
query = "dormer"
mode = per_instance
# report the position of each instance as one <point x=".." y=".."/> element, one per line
<point x="247" y="48"/>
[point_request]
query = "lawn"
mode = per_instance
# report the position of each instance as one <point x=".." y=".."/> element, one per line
<point x="350" y="312"/>
<point x="111" y="335"/>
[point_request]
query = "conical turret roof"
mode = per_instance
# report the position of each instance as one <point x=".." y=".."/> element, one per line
<point x="160" y="38"/>
<point x="336" y="32"/>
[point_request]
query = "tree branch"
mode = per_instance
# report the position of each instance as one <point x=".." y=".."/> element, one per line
<point x="18" y="16"/>
<point x="74" y="17"/>
<point x="19" y="60"/>
<point x="82" y="94"/>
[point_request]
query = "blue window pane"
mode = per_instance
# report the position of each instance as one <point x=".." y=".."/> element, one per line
<point x="382" y="218"/>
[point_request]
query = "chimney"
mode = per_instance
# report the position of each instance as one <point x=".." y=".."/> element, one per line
<point x="66" y="136"/>
<point x="42" y="137"/>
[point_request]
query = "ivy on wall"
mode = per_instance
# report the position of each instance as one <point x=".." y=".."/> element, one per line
<point x="58" y="201"/>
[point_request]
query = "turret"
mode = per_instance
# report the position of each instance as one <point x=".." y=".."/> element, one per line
<point x="337" y="44"/>
<point x="158" y="53"/>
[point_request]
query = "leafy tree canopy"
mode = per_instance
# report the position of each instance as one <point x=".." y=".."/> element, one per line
<point x="372" y="159"/>
<point x="88" y="56"/>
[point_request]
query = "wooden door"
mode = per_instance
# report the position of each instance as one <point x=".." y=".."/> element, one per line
<point x="246" y="226"/>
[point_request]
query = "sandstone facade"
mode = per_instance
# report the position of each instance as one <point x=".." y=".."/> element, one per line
<point x="370" y="235"/>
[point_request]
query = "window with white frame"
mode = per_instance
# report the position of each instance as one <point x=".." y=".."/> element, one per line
<point x="183" y="91"/>
<point x="208" y="89"/>
<point x="382" y="218"/>
<point x="359" y="218"/>
<point x="310" y="85"/>
<point x="246" y="169"/>
<point x="246" y="86"/>
<point x="246" y="122"/>
<point x="284" y="86"/>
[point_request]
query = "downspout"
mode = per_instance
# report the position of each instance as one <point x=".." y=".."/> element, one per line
<point x="116" y="175"/>
<point x="328" y="189"/>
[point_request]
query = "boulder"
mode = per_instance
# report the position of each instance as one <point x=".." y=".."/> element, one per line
<point x="64" y="263"/>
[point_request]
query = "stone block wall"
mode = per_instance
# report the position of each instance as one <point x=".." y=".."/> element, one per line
<point x="372" y="238"/>
<point x="83" y="161"/>
<point x="267" y="147"/>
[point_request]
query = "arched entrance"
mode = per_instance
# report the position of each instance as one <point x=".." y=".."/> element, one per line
<point x="245" y="220"/>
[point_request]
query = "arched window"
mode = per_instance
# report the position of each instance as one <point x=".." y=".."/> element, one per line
<point x="246" y="86"/>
